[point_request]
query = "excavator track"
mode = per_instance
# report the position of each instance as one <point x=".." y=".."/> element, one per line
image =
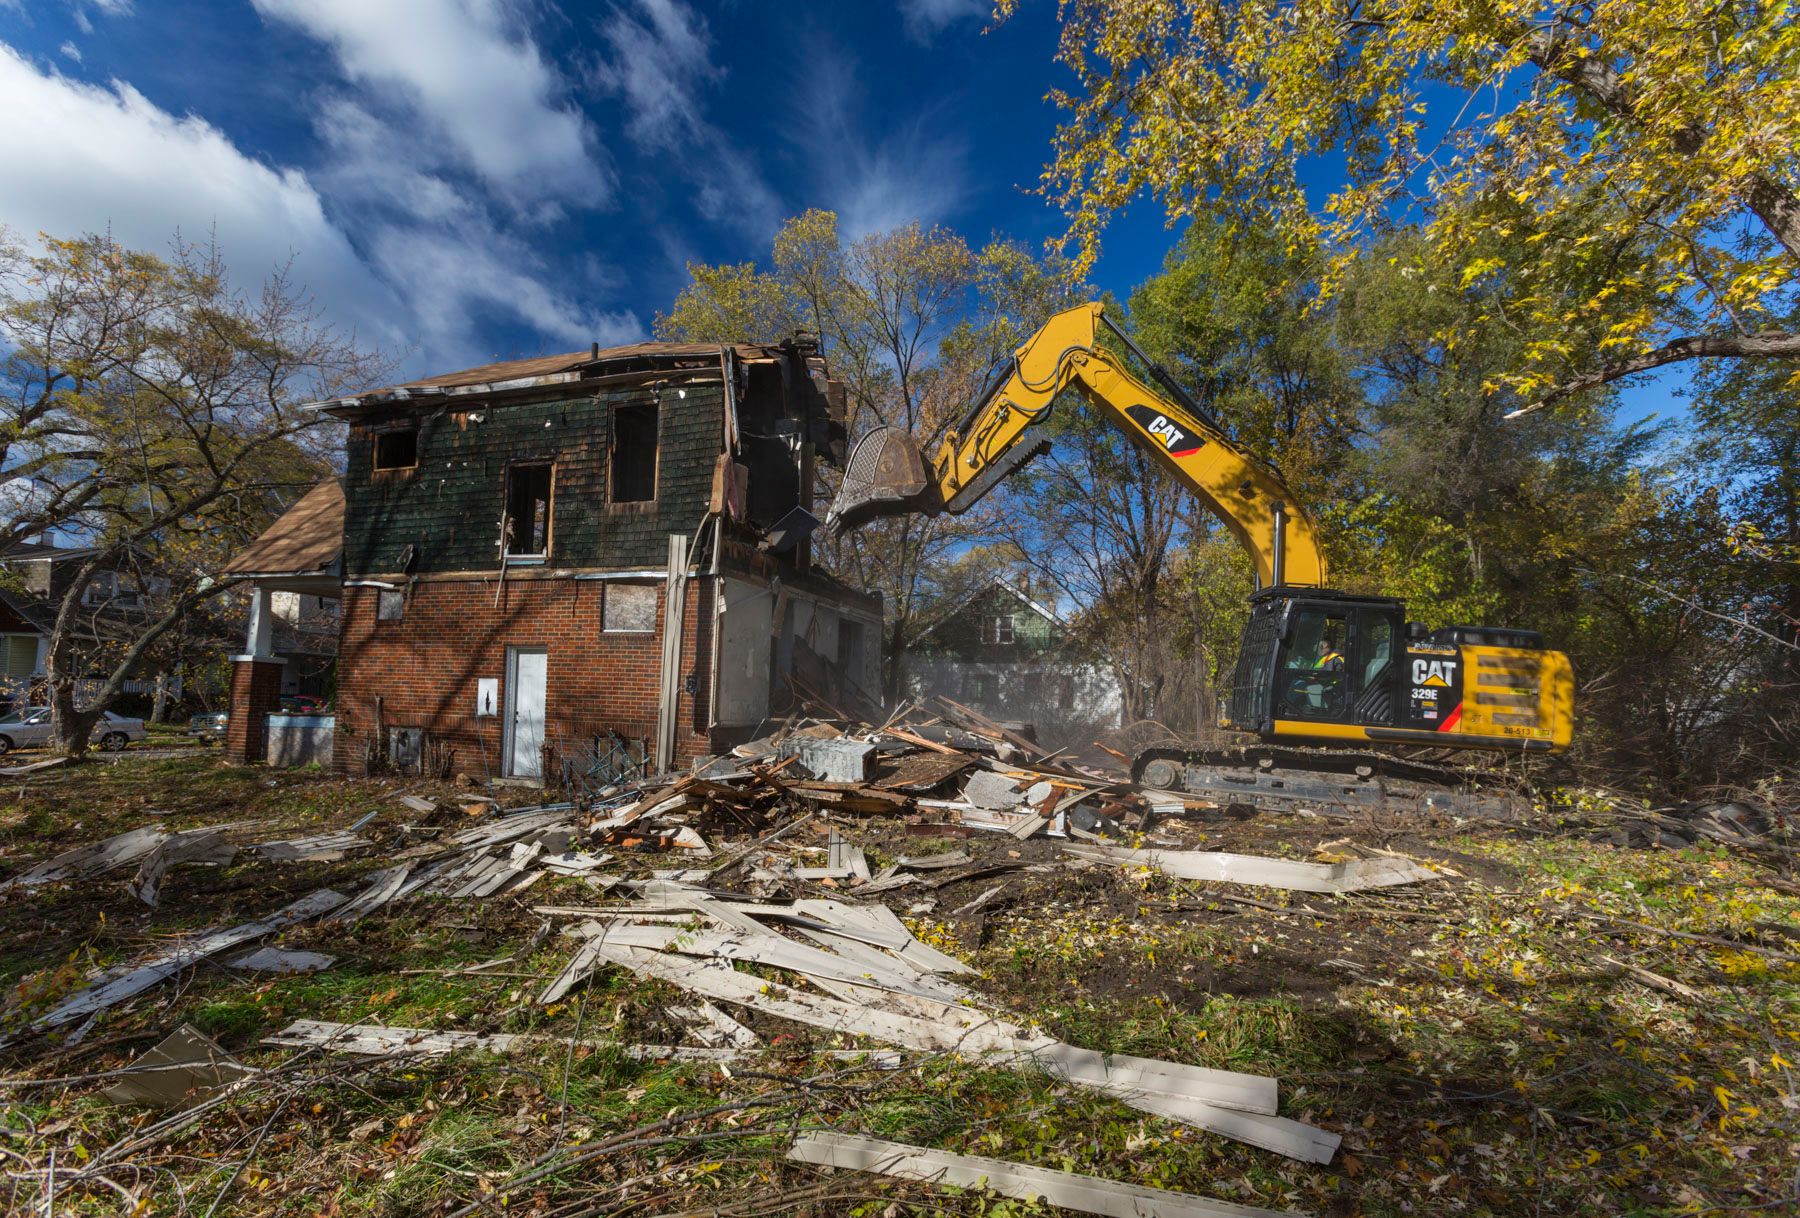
<point x="1327" y="781"/>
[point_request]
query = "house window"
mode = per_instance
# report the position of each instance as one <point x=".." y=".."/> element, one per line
<point x="397" y="449"/>
<point x="106" y="588"/>
<point x="528" y="511"/>
<point x="998" y="629"/>
<point x="980" y="687"/>
<point x="629" y="609"/>
<point x="634" y="453"/>
<point x="21" y="655"/>
<point x="1065" y="693"/>
<point x="390" y="605"/>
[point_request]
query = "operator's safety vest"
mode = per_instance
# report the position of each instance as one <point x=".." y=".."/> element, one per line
<point x="1328" y="659"/>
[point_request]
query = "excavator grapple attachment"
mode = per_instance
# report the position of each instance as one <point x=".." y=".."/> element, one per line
<point x="885" y="476"/>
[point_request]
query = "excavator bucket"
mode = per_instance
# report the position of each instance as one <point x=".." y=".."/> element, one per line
<point x="885" y="476"/>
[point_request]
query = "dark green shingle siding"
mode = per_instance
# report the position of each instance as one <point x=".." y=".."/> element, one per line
<point x="448" y="507"/>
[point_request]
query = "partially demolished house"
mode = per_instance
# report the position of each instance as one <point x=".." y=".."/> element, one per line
<point x="598" y="561"/>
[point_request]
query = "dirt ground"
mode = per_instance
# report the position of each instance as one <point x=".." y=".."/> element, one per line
<point x="1554" y="1025"/>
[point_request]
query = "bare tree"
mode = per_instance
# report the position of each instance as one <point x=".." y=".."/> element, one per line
<point x="152" y="413"/>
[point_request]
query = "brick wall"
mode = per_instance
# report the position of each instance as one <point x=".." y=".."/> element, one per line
<point x="422" y="671"/>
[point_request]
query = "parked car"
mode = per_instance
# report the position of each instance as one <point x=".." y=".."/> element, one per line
<point x="31" y="726"/>
<point x="209" y="727"/>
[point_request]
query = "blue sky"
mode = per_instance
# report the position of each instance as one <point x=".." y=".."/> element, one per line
<point x="466" y="180"/>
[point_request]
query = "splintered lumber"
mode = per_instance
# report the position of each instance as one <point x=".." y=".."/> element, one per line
<point x="377" y="1040"/>
<point x="373" y="1040"/>
<point x="959" y="1029"/>
<point x="166" y="963"/>
<point x="94" y="859"/>
<point x="1087" y="1194"/>
<point x="1353" y="875"/>
<point x="715" y="1027"/>
<point x="322" y="848"/>
<point x="193" y="846"/>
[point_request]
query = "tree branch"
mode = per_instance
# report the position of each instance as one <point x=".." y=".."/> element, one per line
<point x="1691" y="346"/>
<point x="1771" y="200"/>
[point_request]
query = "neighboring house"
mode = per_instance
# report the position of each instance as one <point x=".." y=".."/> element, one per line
<point x="113" y="605"/>
<point x="1007" y="656"/>
<point x="518" y="538"/>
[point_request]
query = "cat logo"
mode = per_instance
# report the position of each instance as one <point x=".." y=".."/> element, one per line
<point x="1437" y="674"/>
<point x="1172" y="435"/>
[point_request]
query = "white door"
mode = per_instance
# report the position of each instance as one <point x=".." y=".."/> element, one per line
<point x="526" y="671"/>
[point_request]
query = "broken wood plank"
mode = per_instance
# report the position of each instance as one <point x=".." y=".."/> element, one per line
<point x="97" y="858"/>
<point x="322" y="848"/>
<point x="1353" y="875"/>
<point x="714" y="1027"/>
<point x="1088" y="1194"/>
<point x="193" y="846"/>
<point x="171" y="960"/>
<point x="377" y="1040"/>
<point x="960" y="1029"/>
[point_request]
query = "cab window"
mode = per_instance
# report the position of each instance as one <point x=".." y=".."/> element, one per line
<point x="1312" y="683"/>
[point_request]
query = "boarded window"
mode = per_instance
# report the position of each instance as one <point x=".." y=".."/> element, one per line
<point x="634" y="454"/>
<point x="528" y="511"/>
<point x="980" y="687"/>
<point x="1065" y="693"/>
<point x="21" y="655"/>
<point x="629" y="609"/>
<point x="397" y="449"/>
<point x="390" y="605"/>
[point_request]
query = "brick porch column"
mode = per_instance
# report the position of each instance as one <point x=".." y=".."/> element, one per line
<point x="255" y="692"/>
<point x="255" y="684"/>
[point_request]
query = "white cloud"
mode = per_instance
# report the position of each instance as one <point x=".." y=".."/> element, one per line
<point x="94" y="159"/>
<point x="70" y="51"/>
<point x="876" y="180"/>
<point x="478" y="85"/>
<point x="659" y="62"/>
<point x="925" y="18"/>
<point x="441" y="246"/>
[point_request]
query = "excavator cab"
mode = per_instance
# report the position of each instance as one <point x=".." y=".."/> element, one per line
<point x="1317" y="658"/>
<point x="1329" y="668"/>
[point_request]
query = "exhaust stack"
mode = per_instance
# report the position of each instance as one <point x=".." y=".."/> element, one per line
<point x="885" y="476"/>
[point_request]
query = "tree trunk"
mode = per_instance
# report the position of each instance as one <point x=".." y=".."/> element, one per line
<point x="70" y="726"/>
<point x="159" y="709"/>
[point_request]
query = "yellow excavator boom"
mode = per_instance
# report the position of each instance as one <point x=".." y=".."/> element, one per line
<point x="1003" y="429"/>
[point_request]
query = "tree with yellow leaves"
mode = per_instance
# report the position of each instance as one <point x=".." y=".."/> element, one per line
<point x="1648" y="152"/>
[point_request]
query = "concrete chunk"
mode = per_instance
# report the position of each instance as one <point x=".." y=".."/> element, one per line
<point x="838" y="760"/>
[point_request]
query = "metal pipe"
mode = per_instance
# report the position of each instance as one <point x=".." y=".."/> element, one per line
<point x="1279" y="564"/>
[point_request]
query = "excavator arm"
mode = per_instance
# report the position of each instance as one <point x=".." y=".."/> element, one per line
<point x="1006" y="428"/>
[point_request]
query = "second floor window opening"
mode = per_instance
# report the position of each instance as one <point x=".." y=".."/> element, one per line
<point x="528" y="511"/>
<point x="397" y="449"/>
<point x="634" y="453"/>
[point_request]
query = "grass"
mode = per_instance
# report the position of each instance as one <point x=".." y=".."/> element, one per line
<point x="1468" y="1038"/>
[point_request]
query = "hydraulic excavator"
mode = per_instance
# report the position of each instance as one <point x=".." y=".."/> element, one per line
<point x="1347" y="701"/>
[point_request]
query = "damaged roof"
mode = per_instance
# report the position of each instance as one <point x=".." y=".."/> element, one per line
<point x="305" y="539"/>
<point x="549" y="369"/>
